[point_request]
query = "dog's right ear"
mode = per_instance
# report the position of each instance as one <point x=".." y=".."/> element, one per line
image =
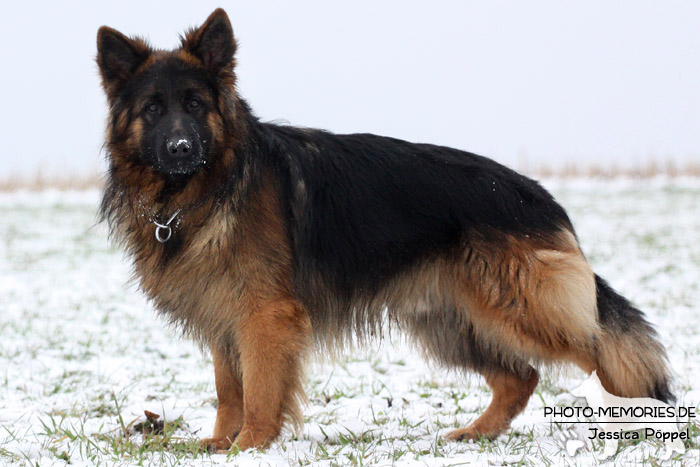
<point x="118" y="58"/>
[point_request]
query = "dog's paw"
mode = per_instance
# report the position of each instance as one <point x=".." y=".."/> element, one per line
<point x="218" y="446"/>
<point x="465" y="434"/>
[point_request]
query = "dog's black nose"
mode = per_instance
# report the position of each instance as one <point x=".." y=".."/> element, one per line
<point x="178" y="146"/>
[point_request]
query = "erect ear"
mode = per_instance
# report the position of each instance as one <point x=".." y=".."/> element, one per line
<point x="213" y="42"/>
<point x="118" y="57"/>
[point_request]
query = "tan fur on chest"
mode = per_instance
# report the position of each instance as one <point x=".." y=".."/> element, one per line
<point x="227" y="262"/>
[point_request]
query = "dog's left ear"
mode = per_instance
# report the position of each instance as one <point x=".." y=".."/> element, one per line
<point x="213" y="42"/>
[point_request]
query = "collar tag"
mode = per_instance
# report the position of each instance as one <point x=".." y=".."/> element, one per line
<point x="164" y="231"/>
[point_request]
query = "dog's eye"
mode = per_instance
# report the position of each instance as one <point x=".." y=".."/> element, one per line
<point x="194" y="103"/>
<point x="152" y="107"/>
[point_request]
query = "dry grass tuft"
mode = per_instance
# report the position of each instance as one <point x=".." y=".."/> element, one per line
<point x="41" y="182"/>
<point x="651" y="169"/>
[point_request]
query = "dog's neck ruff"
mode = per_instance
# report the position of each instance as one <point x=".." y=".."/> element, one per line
<point x="164" y="228"/>
<point x="165" y="231"/>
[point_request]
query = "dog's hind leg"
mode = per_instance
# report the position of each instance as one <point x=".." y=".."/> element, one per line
<point x="448" y="337"/>
<point x="511" y="391"/>
<point x="519" y="302"/>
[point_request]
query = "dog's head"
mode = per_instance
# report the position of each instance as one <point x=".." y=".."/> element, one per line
<point x="169" y="109"/>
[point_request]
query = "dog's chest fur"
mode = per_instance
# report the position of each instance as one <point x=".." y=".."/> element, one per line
<point x="219" y="263"/>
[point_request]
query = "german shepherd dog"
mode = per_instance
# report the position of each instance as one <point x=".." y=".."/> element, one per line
<point x="262" y="240"/>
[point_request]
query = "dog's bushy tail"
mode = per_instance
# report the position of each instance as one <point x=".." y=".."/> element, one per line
<point x="630" y="355"/>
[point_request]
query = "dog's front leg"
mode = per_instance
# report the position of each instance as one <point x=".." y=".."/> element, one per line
<point x="273" y="339"/>
<point x="229" y="390"/>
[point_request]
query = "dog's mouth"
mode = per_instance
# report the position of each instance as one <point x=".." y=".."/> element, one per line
<point x="187" y="166"/>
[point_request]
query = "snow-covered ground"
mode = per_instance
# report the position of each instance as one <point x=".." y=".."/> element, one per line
<point x="82" y="354"/>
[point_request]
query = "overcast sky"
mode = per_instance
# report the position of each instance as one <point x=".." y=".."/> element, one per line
<point x="604" y="82"/>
